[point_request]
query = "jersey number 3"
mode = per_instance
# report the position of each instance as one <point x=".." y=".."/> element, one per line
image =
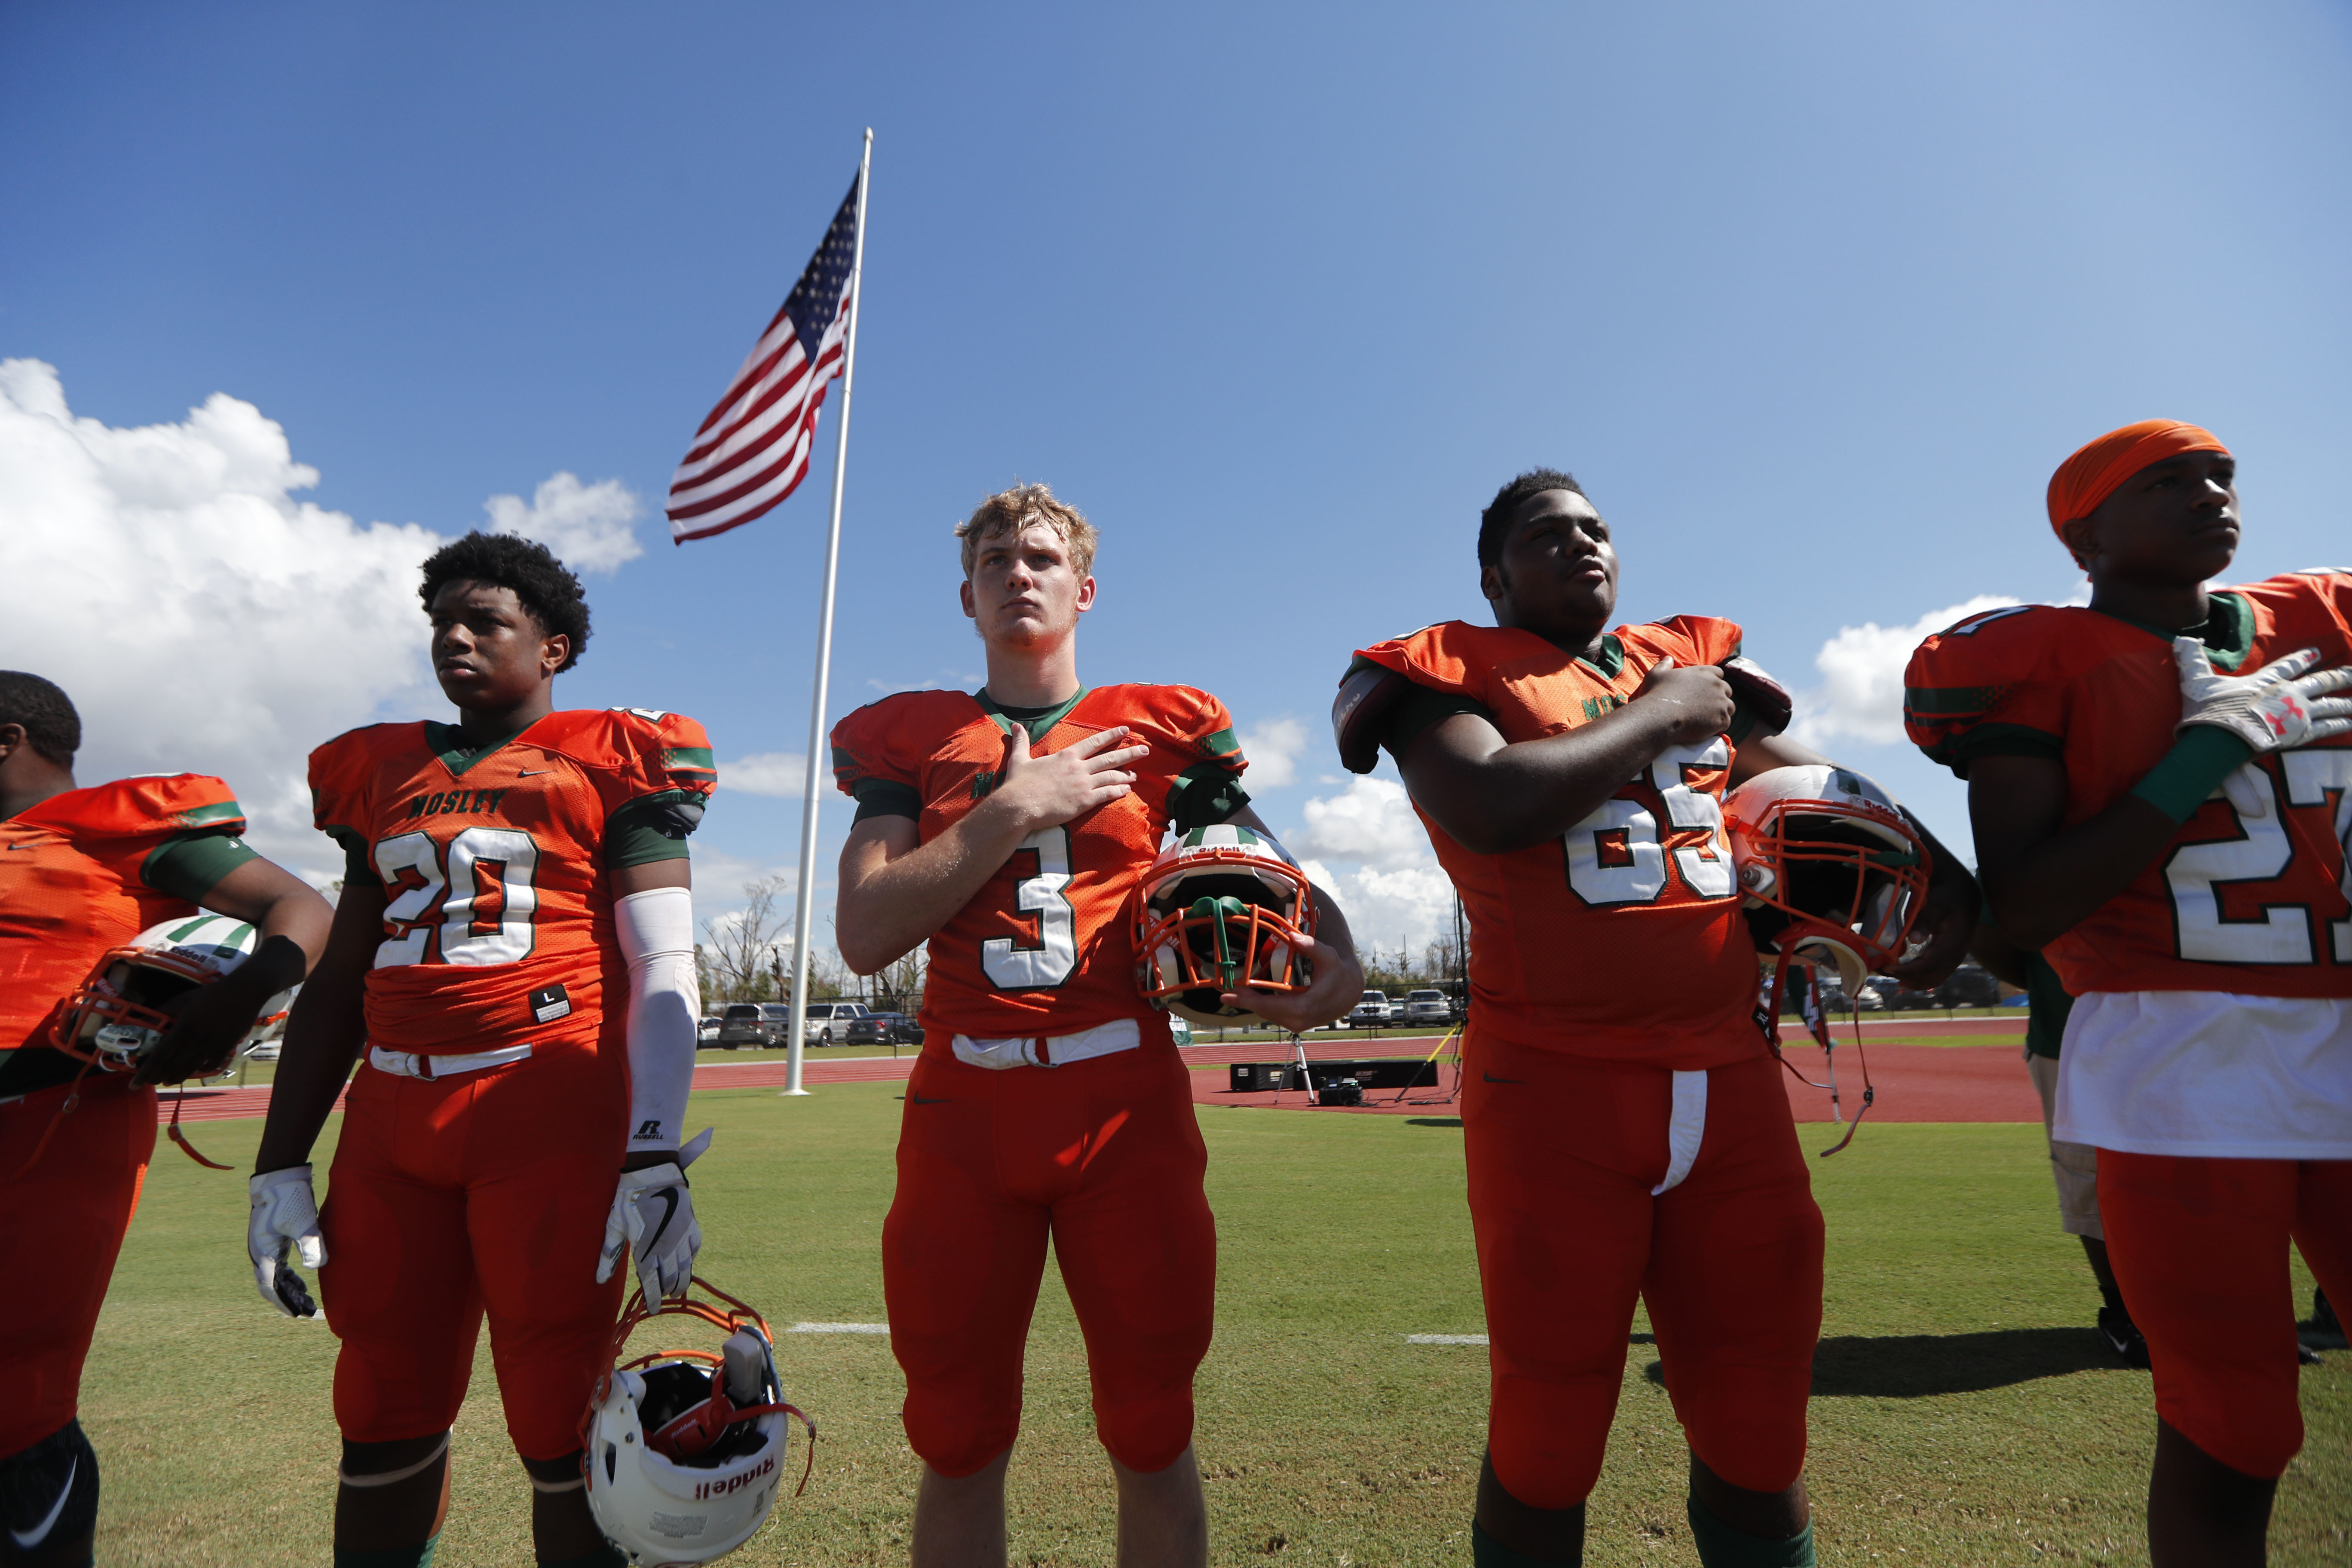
<point x="1011" y="968"/>
<point x="485" y="919"/>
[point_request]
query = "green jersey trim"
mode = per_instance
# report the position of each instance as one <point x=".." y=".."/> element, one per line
<point x="456" y="753"/>
<point x="1036" y="721"/>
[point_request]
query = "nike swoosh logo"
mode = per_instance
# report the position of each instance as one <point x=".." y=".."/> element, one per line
<point x="27" y="1539"/>
<point x="668" y="1196"/>
<point x="530" y="772"/>
<point x="919" y="1100"/>
<point x="19" y="847"/>
<point x="1490" y="1078"/>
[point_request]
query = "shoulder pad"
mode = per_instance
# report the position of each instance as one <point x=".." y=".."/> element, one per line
<point x="1364" y="701"/>
<point x="146" y="805"/>
<point x="1759" y="692"/>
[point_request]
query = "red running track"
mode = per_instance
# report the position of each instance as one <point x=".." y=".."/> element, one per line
<point x="1915" y="1083"/>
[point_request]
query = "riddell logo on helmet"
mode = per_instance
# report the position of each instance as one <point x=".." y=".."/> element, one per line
<point x="734" y="1483"/>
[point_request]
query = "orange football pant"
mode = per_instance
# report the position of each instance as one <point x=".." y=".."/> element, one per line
<point x="2199" y="1248"/>
<point x="62" y="1228"/>
<point x="1105" y="1156"/>
<point x="481" y="1194"/>
<point x="1562" y="1154"/>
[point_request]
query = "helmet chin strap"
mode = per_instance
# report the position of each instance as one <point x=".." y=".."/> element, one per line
<point x="1817" y="1023"/>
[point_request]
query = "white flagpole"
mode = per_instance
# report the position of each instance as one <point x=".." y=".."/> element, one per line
<point x="797" y="1023"/>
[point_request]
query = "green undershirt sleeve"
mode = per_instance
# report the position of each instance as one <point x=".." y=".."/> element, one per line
<point x="885" y="797"/>
<point x="1419" y="709"/>
<point x="651" y="827"/>
<point x="188" y="864"/>
<point x="2189" y="772"/>
<point x="1203" y="795"/>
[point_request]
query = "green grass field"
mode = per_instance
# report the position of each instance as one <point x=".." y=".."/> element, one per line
<point x="1962" y="1413"/>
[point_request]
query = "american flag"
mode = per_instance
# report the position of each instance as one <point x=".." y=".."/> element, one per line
<point x="753" y="449"/>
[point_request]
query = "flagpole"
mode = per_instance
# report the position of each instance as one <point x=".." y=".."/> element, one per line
<point x="797" y="1022"/>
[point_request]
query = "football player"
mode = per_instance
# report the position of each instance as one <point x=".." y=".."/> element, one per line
<point x="512" y="967"/>
<point x="1009" y="828"/>
<point x="2074" y="1167"/>
<point x="1626" y="1130"/>
<point x="81" y="872"/>
<point x="2160" y="785"/>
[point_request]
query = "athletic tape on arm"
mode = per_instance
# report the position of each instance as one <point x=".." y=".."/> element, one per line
<point x="656" y="934"/>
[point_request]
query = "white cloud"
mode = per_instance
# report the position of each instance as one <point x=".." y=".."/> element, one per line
<point x="783" y="774"/>
<point x="1368" y="848"/>
<point x="588" y="525"/>
<point x="201" y="618"/>
<point x="1273" y="748"/>
<point x="198" y="615"/>
<point x="1861" y="694"/>
<point x="1371" y="822"/>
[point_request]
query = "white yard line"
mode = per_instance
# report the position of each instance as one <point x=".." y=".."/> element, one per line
<point x="1445" y="1339"/>
<point x="838" y="1329"/>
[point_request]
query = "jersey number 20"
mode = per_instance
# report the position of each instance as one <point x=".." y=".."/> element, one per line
<point x="485" y="919"/>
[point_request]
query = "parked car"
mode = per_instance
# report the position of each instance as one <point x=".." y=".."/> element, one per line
<point x="829" y="1021"/>
<point x="749" y="1024"/>
<point x="1371" y="1010"/>
<point x="1969" y="986"/>
<point x="706" y="1031"/>
<point x="1428" y="1006"/>
<point x="1868" y="1000"/>
<point x="883" y="1030"/>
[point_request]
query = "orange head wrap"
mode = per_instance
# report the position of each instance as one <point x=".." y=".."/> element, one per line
<point x="2099" y="469"/>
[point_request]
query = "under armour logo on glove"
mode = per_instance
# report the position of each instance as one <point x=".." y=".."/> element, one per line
<point x="2277" y="708"/>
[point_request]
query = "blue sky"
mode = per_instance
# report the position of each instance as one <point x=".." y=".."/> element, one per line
<point x="1813" y="299"/>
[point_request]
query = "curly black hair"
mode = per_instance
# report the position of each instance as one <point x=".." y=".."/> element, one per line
<point x="47" y="713"/>
<point x="1495" y="522"/>
<point x="544" y="585"/>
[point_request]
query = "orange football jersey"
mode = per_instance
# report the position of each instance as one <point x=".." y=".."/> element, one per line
<point x="1047" y="947"/>
<point x="1623" y="940"/>
<point x="499" y="925"/>
<point x="2253" y="905"/>
<point x="73" y="883"/>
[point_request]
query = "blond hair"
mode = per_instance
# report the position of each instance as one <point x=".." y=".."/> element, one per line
<point x="1010" y="511"/>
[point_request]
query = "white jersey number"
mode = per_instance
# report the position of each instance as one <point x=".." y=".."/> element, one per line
<point x="2261" y="853"/>
<point x="490" y="873"/>
<point x="1615" y="855"/>
<point x="1011" y="968"/>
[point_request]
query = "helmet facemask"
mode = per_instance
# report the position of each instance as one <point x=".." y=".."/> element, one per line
<point x="1213" y="918"/>
<point x="123" y="1011"/>
<point x="1834" y="874"/>
<point x="685" y="1451"/>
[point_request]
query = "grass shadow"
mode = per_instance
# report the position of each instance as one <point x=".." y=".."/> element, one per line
<point x="1921" y="1366"/>
<point x="1432" y="1122"/>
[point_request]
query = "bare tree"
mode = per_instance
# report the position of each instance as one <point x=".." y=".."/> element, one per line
<point x="744" y="950"/>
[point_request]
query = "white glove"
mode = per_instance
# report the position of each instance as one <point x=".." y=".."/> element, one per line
<point x="653" y="1212"/>
<point x="2276" y="708"/>
<point x="285" y="1219"/>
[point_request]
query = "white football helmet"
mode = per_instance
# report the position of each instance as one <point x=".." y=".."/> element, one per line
<point x="117" y="1016"/>
<point x="1833" y="871"/>
<point x="1221" y="907"/>
<point x="685" y="1449"/>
